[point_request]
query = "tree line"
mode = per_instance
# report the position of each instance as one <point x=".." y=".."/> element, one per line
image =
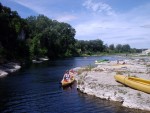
<point x="97" y="47"/>
<point x="38" y="36"/>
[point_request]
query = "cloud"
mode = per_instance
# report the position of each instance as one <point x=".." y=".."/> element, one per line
<point x="47" y="7"/>
<point x="65" y="18"/>
<point x="99" y="7"/>
<point x="145" y="26"/>
<point x="35" y="6"/>
<point x="133" y="39"/>
<point x="133" y="25"/>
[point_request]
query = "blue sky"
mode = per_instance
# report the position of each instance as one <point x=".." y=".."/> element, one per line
<point x="113" y="21"/>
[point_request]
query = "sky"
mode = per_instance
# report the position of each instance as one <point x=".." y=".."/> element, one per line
<point x="112" y="21"/>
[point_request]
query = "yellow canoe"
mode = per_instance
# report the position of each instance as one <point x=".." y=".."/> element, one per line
<point x="66" y="83"/>
<point x="134" y="82"/>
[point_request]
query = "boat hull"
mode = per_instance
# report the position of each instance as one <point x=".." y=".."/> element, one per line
<point x="67" y="83"/>
<point x="101" y="61"/>
<point x="134" y="82"/>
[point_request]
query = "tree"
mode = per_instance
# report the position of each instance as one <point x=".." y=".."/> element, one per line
<point x="112" y="47"/>
<point x="90" y="47"/>
<point x="119" y="48"/>
<point x="126" y="48"/>
<point x="11" y="42"/>
<point x="55" y="39"/>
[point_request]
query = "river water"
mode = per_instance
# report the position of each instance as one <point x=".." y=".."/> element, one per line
<point x="37" y="89"/>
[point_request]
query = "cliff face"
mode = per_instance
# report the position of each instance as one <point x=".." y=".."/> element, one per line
<point x="100" y="82"/>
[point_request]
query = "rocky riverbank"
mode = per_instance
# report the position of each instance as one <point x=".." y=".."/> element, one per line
<point x="11" y="67"/>
<point x="100" y="82"/>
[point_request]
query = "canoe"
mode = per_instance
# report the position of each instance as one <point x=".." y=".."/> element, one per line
<point x="67" y="83"/>
<point x="134" y="82"/>
<point x="104" y="60"/>
<point x="101" y="61"/>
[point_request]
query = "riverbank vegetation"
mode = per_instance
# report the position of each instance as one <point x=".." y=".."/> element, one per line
<point x="38" y="36"/>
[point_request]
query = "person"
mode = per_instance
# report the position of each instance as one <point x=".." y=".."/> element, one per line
<point x="66" y="76"/>
<point x="123" y="63"/>
<point x="117" y="61"/>
<point x="71" y="73"/>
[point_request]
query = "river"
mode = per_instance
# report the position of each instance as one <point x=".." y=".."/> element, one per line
<point x="37" y="89"/>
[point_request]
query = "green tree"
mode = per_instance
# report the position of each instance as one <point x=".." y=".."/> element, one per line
<point x="126" y="48"/>
<point x="13" y="34"/>
<point x="112" y="47"/>
<point x="90" y="47"/>
<point x="54" y="39"/>
<point x="119" y="48"/>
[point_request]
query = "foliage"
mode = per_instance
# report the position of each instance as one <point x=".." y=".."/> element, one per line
<point x="89" y="47"/>
<point x="12" y="45"/>
<point x="55" y="39"/>
<point x="97" y="47"/>
<point x="120" y="49"/>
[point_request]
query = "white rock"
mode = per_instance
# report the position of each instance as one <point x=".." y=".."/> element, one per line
<point x="8" y="68"/>
<point x="3" y="73"/>
<point x="100" y="82"/>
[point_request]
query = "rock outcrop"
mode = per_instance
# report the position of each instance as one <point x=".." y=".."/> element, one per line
<point x="100" y="82"/>
<point x="5" y="69"/>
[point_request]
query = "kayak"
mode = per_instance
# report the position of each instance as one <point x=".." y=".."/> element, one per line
<point x="134" y="82"/>
<point x="66" y="83"/>
<point x="104" y="60"/>
<point x="101" y="61"/>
